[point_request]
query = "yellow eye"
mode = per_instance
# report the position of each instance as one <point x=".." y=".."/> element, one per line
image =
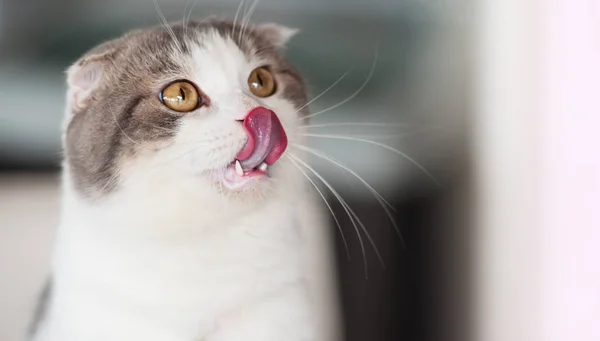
<point x="180" y="96"/>
<point x="261" y="82"/>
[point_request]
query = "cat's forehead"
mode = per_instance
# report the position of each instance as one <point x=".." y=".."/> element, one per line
<point x="206" y="40"/>
<point x="219" y="63"/>
<point x="207" y="48"/>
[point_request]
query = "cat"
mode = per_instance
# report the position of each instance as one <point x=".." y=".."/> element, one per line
<point x="184" y="211"/>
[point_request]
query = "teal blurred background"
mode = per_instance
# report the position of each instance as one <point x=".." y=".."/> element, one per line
<point x="420" y="80"/>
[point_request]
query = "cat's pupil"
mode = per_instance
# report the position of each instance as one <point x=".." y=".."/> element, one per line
<point x="181" y="94"/>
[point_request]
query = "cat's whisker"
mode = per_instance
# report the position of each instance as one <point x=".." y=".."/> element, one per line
<point x="183" y="19"/>
<point x="384" y="204"/>
<point x="167" y="26"/>
<point x="382" y="145"/>
<point x="326" y="203"/>
<point x="110" y="182"/>
<point x="202" y="21"/>
<point x="351" y="214"/>
<point x="326" y="157"/>
<point x="187" y="21"/>
<point x="241" y="25"/>
<point x="237" y="13"/>
<point x="168" y="130"/>
<point x="119" y="126"/>
<point x="325" y="91"/>
<point x="382" y="136"/>
<point x="363" y="85"/>
<point x="248" y="16"/>
<point x="360" y="124"/>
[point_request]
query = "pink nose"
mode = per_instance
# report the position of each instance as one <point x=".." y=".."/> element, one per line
<point x="267" y="140"/>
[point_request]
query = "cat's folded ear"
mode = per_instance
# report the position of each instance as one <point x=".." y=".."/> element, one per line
<point x="277" y="35"/>
<point x="87" y="75"/>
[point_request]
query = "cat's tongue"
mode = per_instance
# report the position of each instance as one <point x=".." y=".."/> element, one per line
<point x="266" y="139"/>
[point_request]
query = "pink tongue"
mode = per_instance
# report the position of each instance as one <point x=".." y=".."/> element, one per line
<point x="266" y="139"/>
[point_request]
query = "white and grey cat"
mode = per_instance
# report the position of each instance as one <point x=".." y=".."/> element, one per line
<point x="184" y="215"/>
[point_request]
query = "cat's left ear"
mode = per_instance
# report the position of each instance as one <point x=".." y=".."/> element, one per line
<point x="277" y="35"/>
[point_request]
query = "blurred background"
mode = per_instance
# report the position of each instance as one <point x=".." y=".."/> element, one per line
<point x="418" y="49"/>
<point x="479" y="95"/>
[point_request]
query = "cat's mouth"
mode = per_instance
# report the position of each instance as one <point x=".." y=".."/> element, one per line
<point x="235" y="177"/>
<point x="266" y="143"/>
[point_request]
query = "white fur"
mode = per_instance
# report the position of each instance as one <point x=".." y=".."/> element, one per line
<point x="169" y="256"/>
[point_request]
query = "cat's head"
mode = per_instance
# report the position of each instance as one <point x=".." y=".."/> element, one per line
<point x="208" y="107"/>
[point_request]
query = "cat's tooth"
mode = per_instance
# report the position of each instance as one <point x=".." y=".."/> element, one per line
<point x="238" y="168"/>
<point x="263" y="167"/>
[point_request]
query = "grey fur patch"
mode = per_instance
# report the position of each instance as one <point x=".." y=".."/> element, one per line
<point x="124" y="113"/>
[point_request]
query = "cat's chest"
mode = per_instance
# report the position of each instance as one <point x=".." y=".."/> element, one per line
<point x="181" y="268"/>
<point x="184" y="285"/>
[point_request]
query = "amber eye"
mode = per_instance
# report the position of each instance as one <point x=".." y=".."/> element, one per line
<point x="261" y="82"/>
<point x="180" y="96"/>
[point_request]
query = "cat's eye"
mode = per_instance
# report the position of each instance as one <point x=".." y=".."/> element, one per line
<point x="181" y="96"/>
<point x="261" y="82"/>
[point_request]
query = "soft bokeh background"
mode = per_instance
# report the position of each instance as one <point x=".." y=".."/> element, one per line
<point x="421" y="79"/>
<point x="501" y="104"/>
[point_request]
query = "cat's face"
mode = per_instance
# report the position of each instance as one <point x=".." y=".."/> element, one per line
<point x="204" y="107"/>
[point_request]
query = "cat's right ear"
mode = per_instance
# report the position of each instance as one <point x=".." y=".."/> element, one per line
<point x="86" y="76"/>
